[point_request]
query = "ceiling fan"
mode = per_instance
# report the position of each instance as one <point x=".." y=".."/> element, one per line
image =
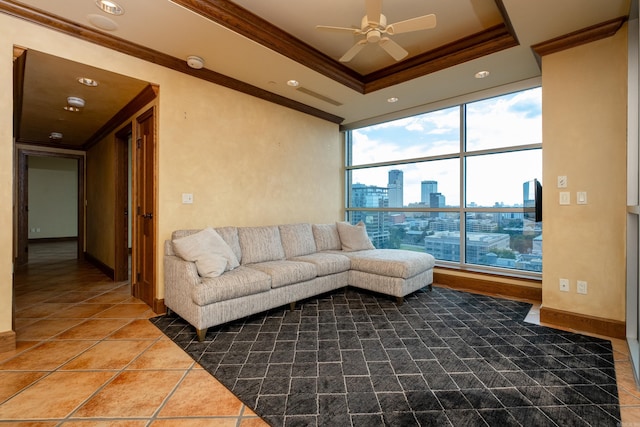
<point x="374" y="27"/>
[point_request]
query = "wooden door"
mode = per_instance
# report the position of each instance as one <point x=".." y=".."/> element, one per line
<point x="145" y="237"/>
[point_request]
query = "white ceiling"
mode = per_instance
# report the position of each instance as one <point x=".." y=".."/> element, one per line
<point x="167" y="27"/>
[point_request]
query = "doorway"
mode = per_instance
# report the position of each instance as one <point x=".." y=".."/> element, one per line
<point x="23" y="213"/>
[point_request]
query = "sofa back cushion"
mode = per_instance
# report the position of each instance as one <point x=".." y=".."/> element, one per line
<point x="260" y="244"/>
<point x="326" y="237"/>
<point x="228" y="234"/>
<point x="297" y="240"/>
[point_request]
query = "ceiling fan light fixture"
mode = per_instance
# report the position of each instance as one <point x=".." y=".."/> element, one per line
<point x="110" y="7"/>
<point x="195" y="62"/>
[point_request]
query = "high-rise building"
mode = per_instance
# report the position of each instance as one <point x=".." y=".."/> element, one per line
<point x="426" y="189"/>
<point x="395" y="188"/>
<point x="377" y="223"/>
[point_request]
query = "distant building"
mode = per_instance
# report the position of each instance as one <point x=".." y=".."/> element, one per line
<point x="396" y="178"/>
<point x="377" y="223"/>
<point x="427" y="188"/>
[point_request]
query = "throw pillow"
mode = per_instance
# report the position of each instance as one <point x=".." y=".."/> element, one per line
<point x="354" y="237"/>
<point x="326" y="237"/>
<point x="207" y="249"/>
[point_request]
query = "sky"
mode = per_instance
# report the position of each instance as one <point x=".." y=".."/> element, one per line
<point x="505" y="121"/>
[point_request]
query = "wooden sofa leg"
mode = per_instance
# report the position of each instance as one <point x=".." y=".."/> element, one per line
<point x="292" y="306"/>
<point x="430" y="286"/>
<point x="399" y="300"/>
<point x="201" y="333"/>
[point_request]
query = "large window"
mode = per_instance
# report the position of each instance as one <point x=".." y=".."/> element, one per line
<point x="462" y="183"/>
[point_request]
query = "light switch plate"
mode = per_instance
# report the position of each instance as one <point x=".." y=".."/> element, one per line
<point x="581" y="197"/>
<point x="565" y="198"/>
<point x="187" y="198"/>
<point x="562" y="181"/>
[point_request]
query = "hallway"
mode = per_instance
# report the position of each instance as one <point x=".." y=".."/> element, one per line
<point x="86" y="355"/>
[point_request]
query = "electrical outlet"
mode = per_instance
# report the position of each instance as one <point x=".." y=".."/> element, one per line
<point x="582" y="287"/>
<point x="564" y="285"/>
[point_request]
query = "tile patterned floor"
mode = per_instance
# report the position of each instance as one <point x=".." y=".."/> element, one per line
<point x="87" y="356"/>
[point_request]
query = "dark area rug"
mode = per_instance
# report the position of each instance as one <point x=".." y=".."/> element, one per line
<point x="352" y="358"/>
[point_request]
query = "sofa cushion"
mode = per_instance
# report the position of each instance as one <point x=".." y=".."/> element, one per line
<point x="354" y="237"/>
<point x="326" y="263"/>
<point x="326" y="237"/>
<point x="285" y="272"/>
<point x="236" y="283"/>
<point x="208" y="250"/>
<point x="391" y="262"/>
<point x="297" y="239"/>
<point x="230" y="235"/>
<point x="260" y="244"/>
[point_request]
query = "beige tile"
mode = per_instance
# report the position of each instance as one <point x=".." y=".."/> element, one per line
<point x="109" y="298"/>
<point x="126" y="311"/>
<point x="253" y="422"/>
<point x="163" y="354"/>
<point x="630" y="416"/>
<point x="105" y="423"/>
<point x="47" y="356"/>
<point x="197" y="422"/>
<point x="21" y="346"/>
<point x="45" y="328"/>
<point x="138" y="329"/>
<point x="13" y="382"/>
<point x="131" y="394"/>
<point x="42" y="310"/>
<point x="108" y="355"/>
<point x="55" y="396"/>
<point x="93" y="329"/>
<point x="194" y="397"/>
<point x="82" y="311"/>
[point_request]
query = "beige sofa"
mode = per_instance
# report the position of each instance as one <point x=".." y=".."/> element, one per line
<point x="213" y="276"/>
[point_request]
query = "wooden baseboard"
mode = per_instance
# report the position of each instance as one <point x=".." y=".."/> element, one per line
<point x="489" y="284"/>
<point x="52" y="240"/>
<point x="7" y="341"/>
<point x="159" y="307"/>
<point x="100" y="265"/>
<point x="584" y="323"/>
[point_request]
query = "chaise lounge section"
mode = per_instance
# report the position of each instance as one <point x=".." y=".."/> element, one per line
<point x="216" y="275"/>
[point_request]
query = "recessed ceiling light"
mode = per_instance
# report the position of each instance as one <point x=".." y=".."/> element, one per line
<point x="55" y="135"/>
<point x="87" y="81"/>
<point x="392" y="100"/>
<point x="481" y="74"/>
<point x="293" y="83"/>
<point x="109" y="7"/>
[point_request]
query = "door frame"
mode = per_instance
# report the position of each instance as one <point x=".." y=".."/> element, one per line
<point x="22" y="208"/>
<point x="122" y="208"/>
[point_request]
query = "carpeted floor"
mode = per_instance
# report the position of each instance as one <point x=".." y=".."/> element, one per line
<point x="352" y="358"/>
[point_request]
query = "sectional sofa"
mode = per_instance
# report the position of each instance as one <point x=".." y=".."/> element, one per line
<point x="216" y="275"/>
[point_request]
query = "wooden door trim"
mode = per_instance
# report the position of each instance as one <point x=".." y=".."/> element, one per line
<point x="22" y="196"/>
<point x="122" y="214"/>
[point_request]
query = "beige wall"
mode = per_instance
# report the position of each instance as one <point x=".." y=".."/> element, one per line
<point x="247" y="161"/>
<point x="584" y="137"/>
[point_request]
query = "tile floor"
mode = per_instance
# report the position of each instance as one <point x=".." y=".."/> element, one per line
<point x="87" y="356"/>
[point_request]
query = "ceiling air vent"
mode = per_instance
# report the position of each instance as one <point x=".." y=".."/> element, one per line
<point x="318" y="96"/>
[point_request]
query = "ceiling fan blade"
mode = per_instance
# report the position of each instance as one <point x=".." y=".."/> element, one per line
<point x="348" y="56"/>
<point x="425" y="22"/>
<point x="374" y="10"/>
<point x="338" y="29"/>
<point x="393" y="48"/>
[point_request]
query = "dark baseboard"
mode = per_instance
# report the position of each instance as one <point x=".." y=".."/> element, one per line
<point x="584" y="323"/>
<point x="489" y="284"/>
<point x="100" y="265"/>
<point x="7" y="341"/>
<point x="53" y="240"/>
